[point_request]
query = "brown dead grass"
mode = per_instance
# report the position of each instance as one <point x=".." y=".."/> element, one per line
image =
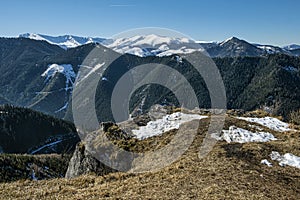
<point x="230" y="171"/>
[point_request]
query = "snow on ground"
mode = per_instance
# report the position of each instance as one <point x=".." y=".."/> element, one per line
<point x="178" y="59"/>
<point x="236" y="134"/>
<point x="62" y="108"/>
<point x="266" y="162"/>
<point x="292" y="47"/>
<point x="268" y="48"/>
<point x="270" y="122"/>
<point x="291" y="69"/>
<point x="167" y="123"/>
<point x="90" y="71"/>
<point x="286" y="159"/>
<point x="256" y="127"/>
<point x="65" y="69"/>
<point x="33" y="177"/>
<point x="45" y="146"/>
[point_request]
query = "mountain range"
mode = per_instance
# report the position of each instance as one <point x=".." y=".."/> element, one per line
<point x="149" y="45"/>
<point x="256" y="154"/>
<point x="40" y="75"/>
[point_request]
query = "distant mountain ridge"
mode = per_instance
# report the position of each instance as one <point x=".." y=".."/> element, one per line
<point x="156" y="45"/>
<point x="292" y="47"/>
<point x="64" y="41"/>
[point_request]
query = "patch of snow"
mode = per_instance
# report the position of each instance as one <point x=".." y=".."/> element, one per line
<point x="268" y="49"/>
<point x="62" y="108"/>
<point x="267" y="109"/>
<point x="104" y="79"/>
<point x="291" y="69"/>
<point x="167" y="123"/>
<point x="65" y="69"/>
<point x="269" y="122"/>
<point x="286" y="159"/>
<point x="45" y="146"/>
<point x="266" y="162"/>
<point x="256" y="127"/>
<point x="182" y="50"/>
<point x="240" y="135"/>
<point x="33" y="177"/>
<point x="178" y="59"/>
<point x="44" y="92"/>
<point x="292" y="47"/>
<point x="206" y="42"/>
<point x="90" y="71"/>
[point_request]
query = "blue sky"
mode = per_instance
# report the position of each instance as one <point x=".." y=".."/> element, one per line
<point x="263" y="21"/>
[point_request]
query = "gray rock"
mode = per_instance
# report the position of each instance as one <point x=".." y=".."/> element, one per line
<point x="82" y="162"/>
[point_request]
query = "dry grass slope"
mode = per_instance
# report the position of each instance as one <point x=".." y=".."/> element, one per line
<point x="230" y="171"/>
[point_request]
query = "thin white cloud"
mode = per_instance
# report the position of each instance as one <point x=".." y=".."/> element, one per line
<point x="121" y="5"/>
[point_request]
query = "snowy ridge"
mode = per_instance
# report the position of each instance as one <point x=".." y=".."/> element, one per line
<point x="291" y="47"/>
<point x="269" y="122"/>
<point x="65" y="41"/>
<point x="227" y="40"/>
<point x="235" y="134"/>
<point x="167" y="123"/>
<point x="154" y="45"/>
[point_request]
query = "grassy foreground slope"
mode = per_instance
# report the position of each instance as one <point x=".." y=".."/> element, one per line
<point x="230" y="171"/>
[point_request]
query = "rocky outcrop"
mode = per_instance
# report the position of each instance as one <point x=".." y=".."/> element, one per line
<point x="98" y="148"/>
<point x="83" y="162"/>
